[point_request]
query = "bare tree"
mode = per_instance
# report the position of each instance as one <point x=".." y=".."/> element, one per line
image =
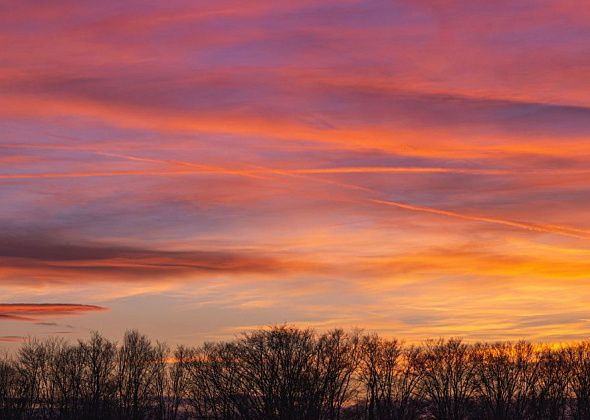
<point x="290" y="373"/>
<point x="66" y="375"/>
<point x="528" y="366"/>
<point x="8" y="388"/>
<point x="159" y="382"/>
<point x="134" y="374"/>
<point x="448" y="379"/>
<point x="391" y="378"/>
<point x="274" y="366"/>
<point x="214" y="388"/>
<point x="177" y="382"/>
<point x="280" y="373"/>
<point x="98" y="376"/>
<point x="337" y="357"/>
<point x="36" y="385"/>
<point x="578" y="360"/>
<point x="500" y="373"/>
<point x="552" y="394"/>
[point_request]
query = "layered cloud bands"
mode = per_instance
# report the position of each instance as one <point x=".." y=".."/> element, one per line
<point x="59" y="261"/>
<point x="418" y="168"/>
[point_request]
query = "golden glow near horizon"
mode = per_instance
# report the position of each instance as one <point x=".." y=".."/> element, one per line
<point x="192" y="169"/>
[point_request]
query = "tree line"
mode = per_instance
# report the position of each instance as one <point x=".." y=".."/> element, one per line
<point x="288" y="373"/>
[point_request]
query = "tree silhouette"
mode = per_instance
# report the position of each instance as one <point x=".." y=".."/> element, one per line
<point x="285" y="372"/>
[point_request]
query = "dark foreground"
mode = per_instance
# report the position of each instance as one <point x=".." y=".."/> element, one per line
<point x="290" y="373"/>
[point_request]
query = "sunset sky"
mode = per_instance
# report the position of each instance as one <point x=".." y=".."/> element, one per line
<point x="197" y="168"/>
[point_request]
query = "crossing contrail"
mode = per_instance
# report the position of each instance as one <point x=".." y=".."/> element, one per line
<point x="195" y="169"/>
<point x="190" y="168"/>
<point x="535" y="227"/>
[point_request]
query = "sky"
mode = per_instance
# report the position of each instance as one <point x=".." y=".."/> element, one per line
<point x="194" y="169"/>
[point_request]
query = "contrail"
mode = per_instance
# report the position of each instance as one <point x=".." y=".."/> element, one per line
<point x="386" y="169"/>
<point x="146" y="172"/>
<point x="260" y="171"/>
<point x="198" y="166"/>
<point x="544" y="228"/>
<point x="250" y="173"/>
<point x="291" y="173"/>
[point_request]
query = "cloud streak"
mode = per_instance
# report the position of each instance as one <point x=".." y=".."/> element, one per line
<point x="46" y="259"/>
<point x="37" y="311"/>
<point x="534" y="227"/>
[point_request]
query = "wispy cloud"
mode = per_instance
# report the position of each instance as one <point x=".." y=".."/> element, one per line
<point x="12" y="338"/>
<point x="36" y="311"/>
<point x="535" y="227"/>
<point x="41" y="258"/>
<point x="415" y="167"/>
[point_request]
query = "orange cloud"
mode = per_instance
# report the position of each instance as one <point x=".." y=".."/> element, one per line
<point x="242" y="156"/>
<point x="36" y="311"/>
<point x="12" y="338"/>
<point x="38" y="261"/>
